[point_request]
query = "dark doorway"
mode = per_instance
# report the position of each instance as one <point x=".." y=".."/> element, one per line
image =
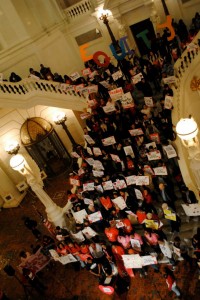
<point x="139" y="31"/>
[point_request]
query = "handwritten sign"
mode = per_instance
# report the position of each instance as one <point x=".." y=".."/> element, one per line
<point x="67" y="259"/>
<point x="138" y="194"/>
<point x="148" y="101"/>
<point x="107" y="185"/>
<point x="88" y="186"/>
<point x="120" y="184"/>
<point x="151" y="224"/>
<point x="75" y="154"/>
<point x="88" y="201"/>
<point x="135" y="243"/>
<point x="89" y="150"/>
<point x="92" y="89"/>
<point x="88" y="232"/>
<point x="85" y="115"/>
<point x="154" y="155"/>
<point x="160" y="170"/>
<point x="90" y="161"/>
<point x="115" y="158"/>
<point x="109" y="141"/>
<point x="78" y="237"/>
<point x="89" y="139"/>
<point x="116" y="94"/>
<point x="137" y="78"/>
<point x="149" y="260"/>
<point x="95" y="217"/>
<point x="119" y="201"/>
<point x="170" y="151"/>
<point x="109" y="108"/>
<point x="192" y="210"/>
<point x="131" y="179"/>
<point x="97" y="151"/>
<point x="135" y="132"/>
<point x="127" y="100"/>
<point x="132" y="261"/>
<point x="129" y="151"/>
<point x="98" y="165"/>
<point x="79" y="216"/>
<point x="74" y="76"/>
<point x="105" y="84"/>
<point x="142" y="180"/>
<point x="117" y="75"/>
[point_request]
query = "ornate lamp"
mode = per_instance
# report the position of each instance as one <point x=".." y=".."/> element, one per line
<point x="12" y="148"/>
<point x="17" y="162"/>
<point x="60" y="119"/>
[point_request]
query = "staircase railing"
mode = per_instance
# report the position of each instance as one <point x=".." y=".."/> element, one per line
<point x="81" y="8"/>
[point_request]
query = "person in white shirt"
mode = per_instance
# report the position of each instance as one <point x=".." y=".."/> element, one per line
<point x="166" y="251"/>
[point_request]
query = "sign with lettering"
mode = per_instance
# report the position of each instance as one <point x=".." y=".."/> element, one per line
<point x="148" y="101"/>
<point x="115" y="158"/>
<point x="170" y="151"/>
<point x="154" y="155"/>
<point x="119" y="201"/>
<point x="89" y="139"/>
<point x="79" y="216"/>
<point x="135" y="132"/>
<point x="160" y="171"/>
<point x="127" y="100"/>
<point x="109" y="141"/>
<point x="107" y="185"/>
<point x="109" y="108"/>
<point x="117" y="75"/>
<point x="88" y="186"/>
<point x="95" y="217"/>
<point x="116" y="94"/>
<point x="142" y="180"/>
<point x="129" y="151"/>
<point x="131" y="179"/>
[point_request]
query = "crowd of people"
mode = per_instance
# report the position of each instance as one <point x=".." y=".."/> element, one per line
<point x="124" y="178"/>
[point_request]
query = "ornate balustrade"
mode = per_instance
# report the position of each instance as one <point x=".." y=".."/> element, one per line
<point x="29" y="92"/>
<point x="82" y="8"/>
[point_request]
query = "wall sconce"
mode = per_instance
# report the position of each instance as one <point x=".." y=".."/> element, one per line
<point x="12" y="148"/>
<point x="60" y="119"/>
<point x="187" y="130"/>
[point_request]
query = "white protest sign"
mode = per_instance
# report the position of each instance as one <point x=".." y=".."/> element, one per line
<point x="169" y="80"/>
<point x="148" y="260"/>
<point x="135" y="132"/>
<point x="98" y="165"/>
<point x="86" y="71"/>
<point x="97" y="151"/>
<point x="168" y="102"/>
<point x="90" y="161"/>
<point x="109" y="108"/>
<point x="129" y="151"/>
<point x="116" y="94"/>
<point x="142" y="180"/>
<point x="192" y="210"/>
<point x="75" y="154"/>
<point x="109" y="141"/>
<point x="119" y="201"/>
<point x="138" y="194"/>
<point x="89" y="139"/>
<point x="99" y="188"/>
<point x="78" y="237"/>
<point x="107" y="185"/>
<point x="79" y="216"/>
<point x="148" y="101"/>
<point x="170" y="151"/>
<point x="74" y="181"/>
<point x="89" y="232"/>
<point x="132" y="261"/>
<point x="89" y="150"/>
<point x="135" y="243"/>
<point x="160" y="170"/>
<point x="177" y="251"/>
<point x="120" y="184"/>
<point x="54" y="254"/>
<point x="85" y="115"/>
<point x="88" y="201"/>
<point x="74" y="76"/>
<point x="127" y="100"/>
<point x="115" y="158"/>
<point x="67" y="259"/>
<point x="117" y="75"/>
<point x="97" y="173"/>
<point x="154" y="155"/>
<point x="105" y="84"/>
<point x="137" y="78"/>
<point x="88" y="186"/>
<point x="148" y="169"/>
<point x="92" y="89"/>
<point x="95" y="217"/>
<point x="131" y="179"/>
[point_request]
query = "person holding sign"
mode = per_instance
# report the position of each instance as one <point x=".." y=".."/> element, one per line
<point x="169" y="214"/>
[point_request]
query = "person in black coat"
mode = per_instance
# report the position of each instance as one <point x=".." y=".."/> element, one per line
<point x="188" y="196"/>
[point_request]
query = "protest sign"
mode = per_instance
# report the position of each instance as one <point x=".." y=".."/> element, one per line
<point x="151" y="224"/>
<point x="78" y="237"/>
<point x="89" y="150"/>
<point x="142" y="180"/>
<point x="135" y="132"/>
<point x="89" y="139"/>
<point x="107" y="185"/>
<point x="119" y="201"/>
<point x="129" y="151"/>
<point x="97" y="151"/>
<point x="74" y="181"/>
<point x="97" y="173"/>
<point x="120" y="184"/>
<point x="86" y="72"/>
<point x="135" y="243"/>
<point x="148" y="260"/>
<point x="148" y="101"/>
<point x="105" y="84"/>
<point x="155" y="137"/>
<point x="81" y="171"/>
<point x="79" y="216"/>
<point x="131" y="179"/>
<point x="170" y="151"/>
<point x="137" y="78"/>
<point x="138" y="194"/>
<point x="169" y="215"/>
<point x="116" y="94"/>
<point x="109" y="108"/>
<point x="192" y="210"/>
<point x="117" y="75"/>
<point x="127" y="100"/>
<point x="95" y="217"/>
<point x="132" y="261"/>
<point x="98" y="165"/>
<point x="74" y="76"/>
<point x="75" y="154"/>
<point x="160" y="171"/>
<point x="169" y="80"/>
<point x="154" y="155"/>
<point x="88" y="186"/>
<point x="90" y="161"/>
<point x="88" y="201"/>
<point x="67" y="259"/>
<point x="88" y="232"/>
<point x="168" y="102"/>
<point x="109" y="141"/>
<point x="115" y="158"/>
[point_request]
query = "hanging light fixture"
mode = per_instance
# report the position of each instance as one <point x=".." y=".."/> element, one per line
<point x="187" y="129"/>
<point x="17" y="162"/>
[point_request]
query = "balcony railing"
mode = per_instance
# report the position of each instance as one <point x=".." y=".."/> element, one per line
<point x="82" y="8"/>
<point x="29" y="92"/>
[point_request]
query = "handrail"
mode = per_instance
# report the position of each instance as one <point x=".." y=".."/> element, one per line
<point x="81" y="8"/>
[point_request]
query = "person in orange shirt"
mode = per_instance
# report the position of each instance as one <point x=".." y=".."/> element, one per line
<point x="112" y="233"/>
<point x="106" y="202"/>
